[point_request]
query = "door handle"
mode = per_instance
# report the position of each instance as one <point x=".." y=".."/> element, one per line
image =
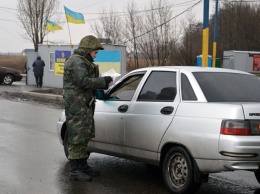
<point x="123" y="108"/>
<point x="167" y="110"/>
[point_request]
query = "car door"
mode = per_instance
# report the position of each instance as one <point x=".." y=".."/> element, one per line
<point x="150" y="114"/>
<point x="110" y="114"/>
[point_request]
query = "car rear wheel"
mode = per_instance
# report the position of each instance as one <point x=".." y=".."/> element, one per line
<point x="257" y="176"/>
<point x="178" y="172"/>
<point x="66" y="143"/>
<point x="8" y="79"/>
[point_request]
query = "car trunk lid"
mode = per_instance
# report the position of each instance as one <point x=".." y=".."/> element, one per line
<point x="251" y="111"/>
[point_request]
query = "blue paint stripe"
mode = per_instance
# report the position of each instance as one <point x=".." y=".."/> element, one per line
<point x="108" y="56"/>
<point x="206" y="14"/>
<point x="216" y="22"/>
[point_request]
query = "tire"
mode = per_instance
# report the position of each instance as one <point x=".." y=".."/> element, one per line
<point x="178" y="172"/>
<point x="66" y="143"/>
<point x="257" y="176"/>
<point x="8" y="79"/>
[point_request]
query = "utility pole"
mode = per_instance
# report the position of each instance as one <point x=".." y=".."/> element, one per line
<point x="215" y="36"/>
<point x="205" y="34"/>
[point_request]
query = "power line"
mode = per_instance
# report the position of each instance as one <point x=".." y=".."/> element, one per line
<point x="146" y="10"/>
<point x="9" y="20"/>
<point x="163" y="23"/>
<point x="93" y="4"/>
<point x="121" y="13"/>
<point x="8" y="8"/>
<point x="239" y="1"/>
<point x="10" y="33"/>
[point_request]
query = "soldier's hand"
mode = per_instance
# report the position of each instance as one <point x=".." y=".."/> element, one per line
<point x="108" y="79"/>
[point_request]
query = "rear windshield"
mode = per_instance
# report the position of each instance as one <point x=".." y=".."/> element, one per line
<point x="229" y="87"/>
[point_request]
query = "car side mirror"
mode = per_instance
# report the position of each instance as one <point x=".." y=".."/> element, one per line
<point x="100" y="95"/>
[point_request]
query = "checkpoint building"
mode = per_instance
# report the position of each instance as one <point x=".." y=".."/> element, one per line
<point x="113" y="57"/>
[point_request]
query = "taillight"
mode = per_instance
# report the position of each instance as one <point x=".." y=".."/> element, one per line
<point x="255" y="127"/>
<point x="235" y="127"/>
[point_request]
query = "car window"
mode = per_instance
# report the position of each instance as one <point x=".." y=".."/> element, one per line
<point x="229" y="87"/>
<point x="187" y="91"/>
<point x="160" y="86"/>
<point x="125" y="90"/>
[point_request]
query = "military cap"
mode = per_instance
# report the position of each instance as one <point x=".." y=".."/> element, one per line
<point x="90" y="43"/>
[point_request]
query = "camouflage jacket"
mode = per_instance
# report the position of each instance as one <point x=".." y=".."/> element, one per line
<point x="80" y="81"/>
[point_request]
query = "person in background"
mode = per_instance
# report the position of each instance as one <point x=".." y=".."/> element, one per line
<point x="80" y="82"/>
<point x="25" y="68"/>
<point x="38" y="69"/>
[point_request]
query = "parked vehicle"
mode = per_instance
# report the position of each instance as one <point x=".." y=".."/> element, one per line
<point x="8" y="75"/>
<point x="189" y="121"/>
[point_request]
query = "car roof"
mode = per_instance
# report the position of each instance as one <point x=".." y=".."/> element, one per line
<point x="191" y="69"/>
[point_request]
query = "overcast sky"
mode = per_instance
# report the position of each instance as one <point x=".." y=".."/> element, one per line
<point x="11" y="30"/>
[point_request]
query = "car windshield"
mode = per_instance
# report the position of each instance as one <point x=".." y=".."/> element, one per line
<point x="229" y="87"/>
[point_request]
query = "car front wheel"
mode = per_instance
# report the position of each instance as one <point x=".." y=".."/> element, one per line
<point x="257" y="176"/>
<point x="178" y="172"/>
<point x="65" y="143"/>
<point x="8" y="79"/>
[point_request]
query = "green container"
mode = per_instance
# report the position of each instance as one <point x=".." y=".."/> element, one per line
<point x="218" y="62"/>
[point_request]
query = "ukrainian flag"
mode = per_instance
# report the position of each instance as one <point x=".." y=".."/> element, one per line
<point x="52" y="26"/>
<point x="74" y="17"/>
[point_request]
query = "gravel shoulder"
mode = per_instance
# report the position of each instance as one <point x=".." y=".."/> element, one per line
<point x="15" y="92"/>
<point x="20" y="97"/>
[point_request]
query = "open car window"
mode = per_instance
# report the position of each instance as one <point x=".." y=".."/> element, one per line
<point x="125" y="90"/>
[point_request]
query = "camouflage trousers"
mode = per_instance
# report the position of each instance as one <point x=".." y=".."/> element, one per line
<point x="80" y="130"/>
<point x="77" y="151"/>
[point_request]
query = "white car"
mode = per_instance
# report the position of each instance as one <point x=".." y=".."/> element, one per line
<point x="189" y="121"/>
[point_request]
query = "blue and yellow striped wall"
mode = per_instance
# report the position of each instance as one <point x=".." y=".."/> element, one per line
<point x="107" y="60"/>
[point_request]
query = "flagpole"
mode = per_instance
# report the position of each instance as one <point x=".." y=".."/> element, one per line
<point x="215" y="35"/>
<point x="69" y="35"/>
<point x="48" y="40"/>
<point x="205" y="34"/>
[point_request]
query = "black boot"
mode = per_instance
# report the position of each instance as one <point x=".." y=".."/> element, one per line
<point x="87" y="169"/>
<point x="76" y="173"/>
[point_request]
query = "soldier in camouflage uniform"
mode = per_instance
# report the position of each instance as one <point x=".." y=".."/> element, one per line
<point x="80" y="82"/>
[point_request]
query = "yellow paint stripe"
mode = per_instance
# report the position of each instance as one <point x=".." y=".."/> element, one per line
<point x="205" y="47"/>
<point x="214" y="55"/>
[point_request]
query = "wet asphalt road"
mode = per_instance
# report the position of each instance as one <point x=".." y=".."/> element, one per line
<point x="32" y="158"/>
<point x="32" y="161"/>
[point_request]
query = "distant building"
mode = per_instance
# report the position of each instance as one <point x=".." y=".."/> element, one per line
<point x="105" y="40"/>
<point x="248" y="61"/>
<point x="25" y="51"/>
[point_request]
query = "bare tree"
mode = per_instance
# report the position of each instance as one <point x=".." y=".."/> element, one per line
<point x="238" y="26"/>
<point x="32" y="15"/>
<point x="155" y="44"/>
<point x="150" y="33"/>
<point x="108" y="27"/>
<point x="131" y="29"/>
<point x="190" y="46"/>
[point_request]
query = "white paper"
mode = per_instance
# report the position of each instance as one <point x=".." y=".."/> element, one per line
<point x="111" y="72"/>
